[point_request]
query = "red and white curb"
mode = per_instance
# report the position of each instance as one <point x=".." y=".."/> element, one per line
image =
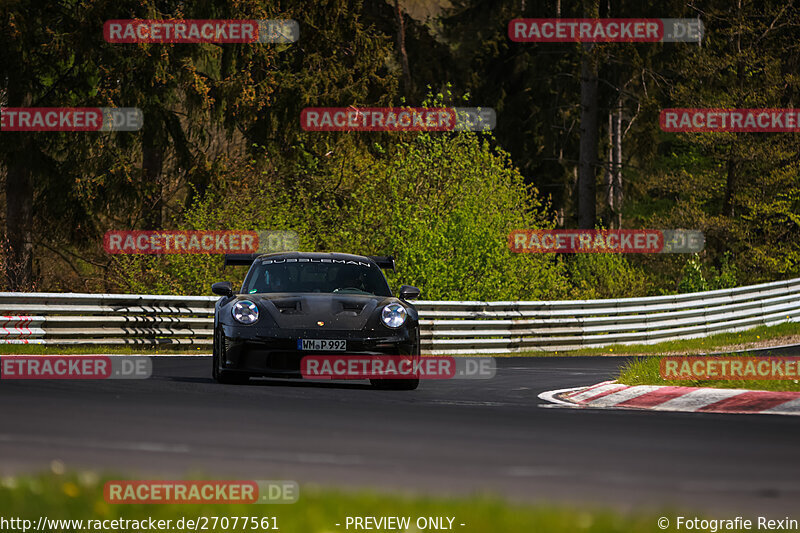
<point x="613" y="395"/>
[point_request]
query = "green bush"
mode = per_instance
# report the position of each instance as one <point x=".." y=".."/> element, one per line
<point x="595" y="276"/>
<point x="442" y="203"/>
<point x="694" y="279"/>
<point x="242" y="209"/>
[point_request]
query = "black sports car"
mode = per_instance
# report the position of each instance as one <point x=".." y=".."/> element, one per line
<point x="297" y="304"/>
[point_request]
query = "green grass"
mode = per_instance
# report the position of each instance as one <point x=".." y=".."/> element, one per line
<point x="80" y="496"/>
<point x="718" y="342"/>
<point x="47" y="349"/>
<point x="648" y="372"/>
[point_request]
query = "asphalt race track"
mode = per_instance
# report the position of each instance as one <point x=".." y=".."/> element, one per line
<point x="448" y="437"/>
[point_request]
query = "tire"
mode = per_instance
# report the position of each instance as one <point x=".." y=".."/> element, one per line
<point x="395" y="384"/>
<point x="223" y="376"/>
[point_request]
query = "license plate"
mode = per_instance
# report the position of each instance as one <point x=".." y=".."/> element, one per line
<point x="334" y="345"/>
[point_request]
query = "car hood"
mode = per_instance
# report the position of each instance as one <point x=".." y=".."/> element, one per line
<point x="336" y="311"/>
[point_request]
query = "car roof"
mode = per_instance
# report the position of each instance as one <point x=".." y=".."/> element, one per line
<point x="316" y="255"/>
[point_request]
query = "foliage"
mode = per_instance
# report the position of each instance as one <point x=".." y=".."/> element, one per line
<point x="595" y="276"/>
<point x="225" y="120"/>
<point x="647" y="371"/>
<point x="443" y="204"/>
<point x="72" y="495"/>
<point x="695" y="280"/>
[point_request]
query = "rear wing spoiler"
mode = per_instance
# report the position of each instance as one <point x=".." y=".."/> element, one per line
<point x="240" y="259"/>
<point x="383" y="261"/>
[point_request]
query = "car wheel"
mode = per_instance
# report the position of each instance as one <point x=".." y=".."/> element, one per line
<point x="395" y="384"/>
<point x="222" y="376"/>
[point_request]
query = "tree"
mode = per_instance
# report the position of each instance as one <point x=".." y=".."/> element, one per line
<point x="587" y="165"/>
<point x="742" y="189"/>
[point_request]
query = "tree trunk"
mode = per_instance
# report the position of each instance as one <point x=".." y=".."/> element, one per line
<point x="728" y="204"/>
<point x="587" y="160"/>
<point x="19" y="207"/>
<point x="401" y="43"/>
<point x="152" y="167"/>
<point x="19" y="221"/>
<point x="617" y="193"/>
<point x="609" y="178"/>
<point x="613" y="178"/>
<point x="730" y="183"/>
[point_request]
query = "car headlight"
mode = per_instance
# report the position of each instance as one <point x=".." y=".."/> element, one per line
<point x="394" y="315"/>
<point x="245" y="312"/>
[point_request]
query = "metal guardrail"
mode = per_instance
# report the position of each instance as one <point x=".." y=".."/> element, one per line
<point x="105" y="319"/>
<point x="447" y="327"/>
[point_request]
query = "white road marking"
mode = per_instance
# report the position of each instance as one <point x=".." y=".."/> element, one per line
<point x="553" y="396"/>
<point x="689" y="402"/>
<point x="594" y="392"/>
<point x="697" y="399"/>
<point x="792" y="407"/>
<point x="625" y="394"/>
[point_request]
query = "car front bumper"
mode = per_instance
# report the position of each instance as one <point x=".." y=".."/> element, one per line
<point x="275" y="353"/>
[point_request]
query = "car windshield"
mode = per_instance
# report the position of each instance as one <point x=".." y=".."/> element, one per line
<point x="315" y="275"/>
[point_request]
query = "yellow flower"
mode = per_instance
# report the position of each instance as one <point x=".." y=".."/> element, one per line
<point x="70" y="489"/>
<point x="100" y="508"/>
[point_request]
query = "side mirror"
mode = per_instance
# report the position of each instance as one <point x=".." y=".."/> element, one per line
<point x="407" y="292"/>
<point x="222" y="288"/>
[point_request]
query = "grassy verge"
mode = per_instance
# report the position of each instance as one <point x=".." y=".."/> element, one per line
<point x="44" y="349"/>
<point x="759" y="337"/>
<point x="80" y="496"/>
<point x="648" y="372"/>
